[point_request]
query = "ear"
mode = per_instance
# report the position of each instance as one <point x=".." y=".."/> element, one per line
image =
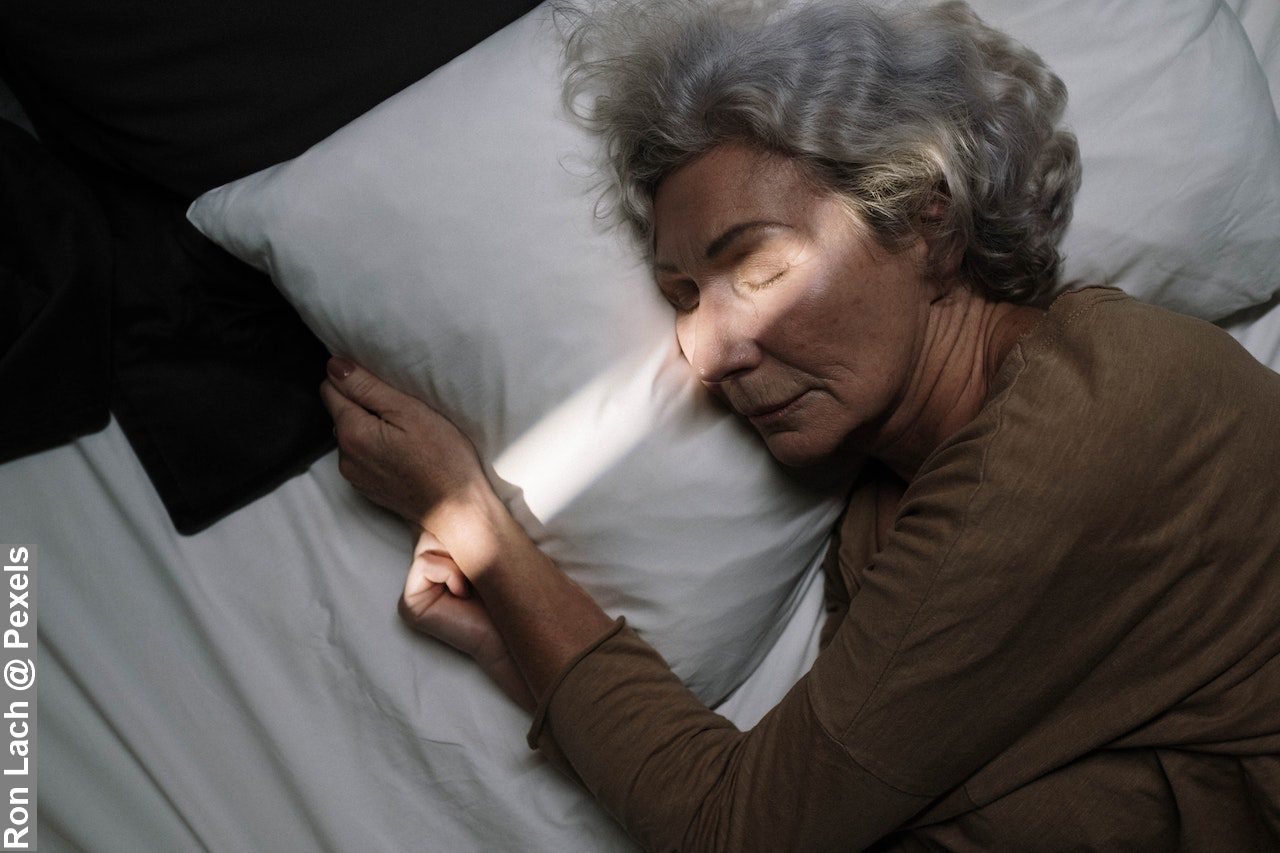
<point x="944" y="253"/>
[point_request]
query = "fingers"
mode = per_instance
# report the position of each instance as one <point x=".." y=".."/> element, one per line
<point x="450" y="620"/>
<point x="426" y="605"/>
<point x="432" y="560"/>
<point x="461" y="622"/>
<point x="432" y="568"/>
<point x="360" y="386"/>
<point x="347" y="415"/>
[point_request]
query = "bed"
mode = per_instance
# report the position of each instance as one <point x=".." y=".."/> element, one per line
<point x="250" y="686"/>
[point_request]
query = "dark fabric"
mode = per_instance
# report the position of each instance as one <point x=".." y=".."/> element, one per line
<point x="192" y="94"/>
<point x="150" y="102"/>
<point x="114" y="303"/>
<point x="55" y="286"/>
<point x="216" y="378"/>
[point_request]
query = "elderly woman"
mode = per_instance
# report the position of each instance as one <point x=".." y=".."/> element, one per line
<point x="1052" y="601"/>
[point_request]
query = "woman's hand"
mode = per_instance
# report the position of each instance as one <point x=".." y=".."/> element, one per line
<point x="403" y="455"/>
<point x="398" y="452"/>
<point x="440" y="602"/>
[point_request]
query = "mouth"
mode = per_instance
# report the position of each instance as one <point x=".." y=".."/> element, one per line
<point x="767" y="415"/>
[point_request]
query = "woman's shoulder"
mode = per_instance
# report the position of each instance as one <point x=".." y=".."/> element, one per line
<point x="1109" y="400"/>
<point x="1103" y="360"/>
<point x="1105" y="330"/>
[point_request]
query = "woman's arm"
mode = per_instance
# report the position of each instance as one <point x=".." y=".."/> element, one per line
<point x="544" y="618"/>
<point x="675" y="774"/>
<point x="439" y="601"/>
<point x="610" y="713"/>
<point x="401" y="454"/>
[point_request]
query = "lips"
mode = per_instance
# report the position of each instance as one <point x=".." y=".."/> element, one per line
<point x="775" y="408"/>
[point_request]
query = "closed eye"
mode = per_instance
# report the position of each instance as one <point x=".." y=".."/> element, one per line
<point x="772" y="279"/>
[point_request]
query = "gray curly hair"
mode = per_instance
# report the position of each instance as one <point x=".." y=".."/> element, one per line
<point x="924" y="120"/>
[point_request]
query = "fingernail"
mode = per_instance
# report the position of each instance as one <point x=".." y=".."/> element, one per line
<point x="340" y="368"/>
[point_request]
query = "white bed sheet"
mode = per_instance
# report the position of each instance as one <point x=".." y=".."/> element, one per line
<point x="251" y="687"/>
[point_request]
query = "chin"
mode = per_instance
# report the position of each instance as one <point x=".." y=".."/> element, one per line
<point x="794" y="449"/>
<point x="813" y="461"/>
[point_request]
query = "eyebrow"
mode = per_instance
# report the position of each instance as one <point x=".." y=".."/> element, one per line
<point x="725" y="240"/>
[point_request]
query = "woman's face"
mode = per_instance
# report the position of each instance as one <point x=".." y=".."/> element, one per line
<point x="786" y="310"/>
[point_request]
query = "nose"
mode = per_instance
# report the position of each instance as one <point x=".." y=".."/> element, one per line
<point x="718" y="342"/>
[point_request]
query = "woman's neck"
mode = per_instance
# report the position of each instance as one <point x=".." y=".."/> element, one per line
<point x="966" y="339"/>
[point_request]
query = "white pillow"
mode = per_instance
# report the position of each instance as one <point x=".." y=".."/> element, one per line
<point x="439" y="241"/>
<point x="1180" y="203"/>
<point x="446" y="240"/>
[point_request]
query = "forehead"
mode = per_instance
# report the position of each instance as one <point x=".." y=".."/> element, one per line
<point x="728" y="185"/>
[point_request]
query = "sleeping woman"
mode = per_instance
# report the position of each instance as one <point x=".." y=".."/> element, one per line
<point x="1052" y="599"/>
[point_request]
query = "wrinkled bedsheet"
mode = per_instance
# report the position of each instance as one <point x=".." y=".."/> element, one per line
<point x="252" y="688"/>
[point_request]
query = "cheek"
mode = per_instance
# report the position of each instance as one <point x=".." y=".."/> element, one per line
<point x="810" y="324"/>
<point x="857" y="345"/>
<point x="875" y="369"/>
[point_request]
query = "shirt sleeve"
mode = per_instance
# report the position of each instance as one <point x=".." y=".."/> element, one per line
<point x="678" y="776"/>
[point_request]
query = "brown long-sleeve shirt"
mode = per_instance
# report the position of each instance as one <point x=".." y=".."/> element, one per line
<point x="1070" y="639"/>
